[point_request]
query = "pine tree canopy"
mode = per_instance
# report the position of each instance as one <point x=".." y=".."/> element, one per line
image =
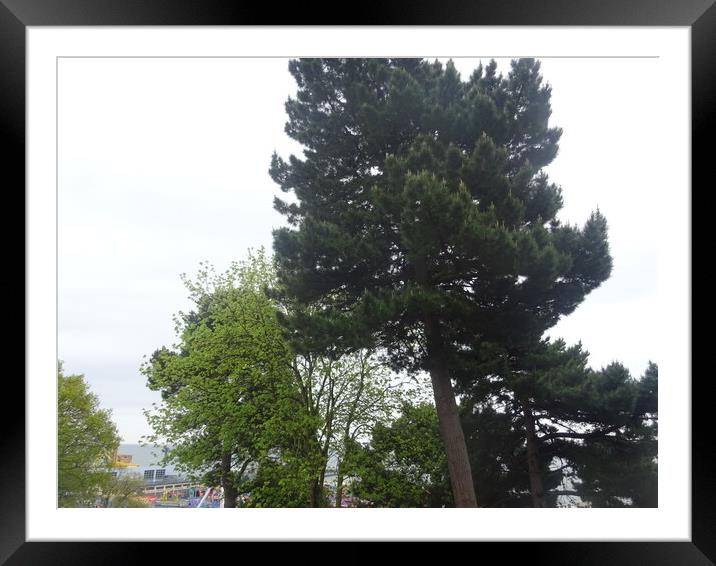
<point x="595" y="430"/>
<point x="423" y="223"/>
<point x="422" y="209"/>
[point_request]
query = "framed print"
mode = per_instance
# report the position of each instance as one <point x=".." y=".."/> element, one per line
<point x="143" y="137"/>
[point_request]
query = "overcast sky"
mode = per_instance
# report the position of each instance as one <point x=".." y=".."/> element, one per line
<point x="163" y="163"/>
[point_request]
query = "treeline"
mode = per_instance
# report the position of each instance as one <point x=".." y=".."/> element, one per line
<point x="422" y="236"/>
<point x="243" y="409"/>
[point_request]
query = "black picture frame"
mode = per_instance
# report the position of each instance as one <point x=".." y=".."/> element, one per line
<point x="700" y="15"/>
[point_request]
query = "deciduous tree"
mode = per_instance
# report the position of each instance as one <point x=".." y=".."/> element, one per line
<point x="86" y="440"/>
<point x="404" y="464"/>
<point x="228" y="395"/>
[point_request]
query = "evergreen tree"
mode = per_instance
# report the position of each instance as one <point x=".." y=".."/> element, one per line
<point x="404" y="463"/>
<point x="620" y="469"/>
<point x="423" y="223"/>
<point x="496" y="445"/>
<point x="582" y="432"/>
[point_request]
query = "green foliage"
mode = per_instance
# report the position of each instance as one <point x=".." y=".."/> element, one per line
<point x="227" y="388"/>
<point x="424" y="224"/>
<point x="349" y="396"/>
<point x="495" y="442"/>
<point x="421" y="195"/>
<point x="124" y="491"/>
<point x="596" y="430"/>
<point x="281" y="484"/>
<point x="237" y="398"/>
<point x="404" y="465"/>
<point x="86" y="440"/>
<point x="620" y="469"/>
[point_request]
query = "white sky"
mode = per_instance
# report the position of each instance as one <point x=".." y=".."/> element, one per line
<point x="164" y="163"/>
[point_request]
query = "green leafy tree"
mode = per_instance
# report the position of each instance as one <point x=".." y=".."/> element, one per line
<point x="404" y="464"/>
<point x="423" y="223"/>
<point x="124" y="491"/>
<point x="371" y="398"/>
<point x="228" y="399"/>
<point x="86" y="440"/>
<point x="237" y="399"/>
<point x="348" y="396"/>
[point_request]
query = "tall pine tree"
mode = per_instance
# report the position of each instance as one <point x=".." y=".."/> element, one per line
<point x="423" y="222"/>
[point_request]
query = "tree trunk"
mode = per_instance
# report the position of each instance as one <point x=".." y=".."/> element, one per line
<point x="463" y="489"/>
<point x="316" y="493"/>
<point x="239" y="480"/>
<point x="339" y="484"/>
<point x="322" y="475"/>
<point x="339" y="491"/>
<point x="533" y="466"/>
<point x="230" y="492"/>
<point x="317" y="484"/>
<point x="311" y="450"/>
<point x="321" y="482"/>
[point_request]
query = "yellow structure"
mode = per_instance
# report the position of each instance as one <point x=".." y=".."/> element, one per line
<point x="122" y="461"/>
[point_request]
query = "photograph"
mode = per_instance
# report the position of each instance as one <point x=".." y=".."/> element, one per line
<point x="357" y="282"/>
